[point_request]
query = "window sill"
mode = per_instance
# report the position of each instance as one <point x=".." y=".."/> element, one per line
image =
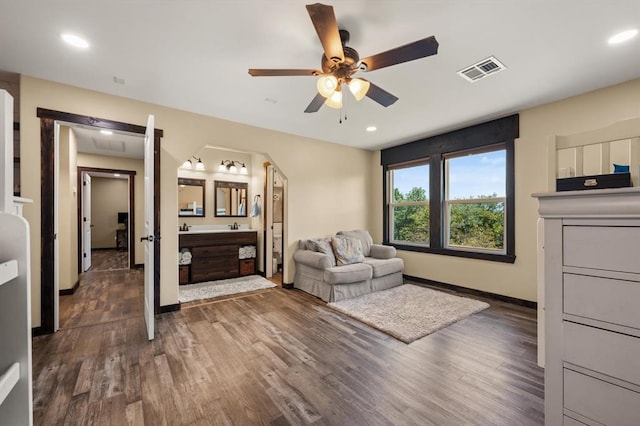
<point x="504" y="258"/>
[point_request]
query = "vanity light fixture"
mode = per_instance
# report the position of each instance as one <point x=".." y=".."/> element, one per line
<point x="232" y="166"/>
<point x="189" y="164"/>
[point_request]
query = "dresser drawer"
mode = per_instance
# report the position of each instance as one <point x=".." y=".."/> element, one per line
<point x="601" y="401"/>
<point x="247" y="267"/>
<point x="613" y="354"/>
<point x="613" y="248"/>
<point x="603" y="299"/>
<point x="227" y="265"/>
<point x="213" y="251"/>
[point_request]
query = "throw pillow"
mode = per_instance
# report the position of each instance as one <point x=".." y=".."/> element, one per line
<point x="322" y="246"/>
<point x="347" y="250"/>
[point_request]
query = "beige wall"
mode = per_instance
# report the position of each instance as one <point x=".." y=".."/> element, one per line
<point x="129" y="164"/>
<point x="581" y="113"/>
<point x="316" y="171"/>
<point x="108" y="197"/>
<point x="67" y="211"/>
<point x="211" y="158"/>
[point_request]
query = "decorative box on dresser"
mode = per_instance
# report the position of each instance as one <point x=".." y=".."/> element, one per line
<point x="592" y="306"/>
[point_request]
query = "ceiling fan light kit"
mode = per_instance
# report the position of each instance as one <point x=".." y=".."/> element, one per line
<point x="340" y="63"/>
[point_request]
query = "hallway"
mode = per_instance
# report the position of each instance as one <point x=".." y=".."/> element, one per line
<point x="103" y="296"/>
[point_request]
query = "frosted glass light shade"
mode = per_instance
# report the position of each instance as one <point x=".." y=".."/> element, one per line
<point x="359" y="88"/>
<point x="243" y="170"/>
<point x="199" y="165"/>
<point x="327" y="85"/>
<point x="233" y="168"/>
<point x="222" y="167"/>
<point x="335" y="100"/>
<point x="187" y="164"/>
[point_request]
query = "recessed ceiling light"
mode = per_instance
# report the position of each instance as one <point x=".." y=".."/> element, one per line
<point x="75" y="41"/>
<point x="106" y="132"/>
<point x="372" y="129"/>
<point x="623" y="36"/>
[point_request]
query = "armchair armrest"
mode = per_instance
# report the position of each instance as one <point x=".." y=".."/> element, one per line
<point x="312" y="259"/>
<point x="380" y="251"/>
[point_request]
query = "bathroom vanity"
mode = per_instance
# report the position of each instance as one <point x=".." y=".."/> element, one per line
<point x="218" y="254"/>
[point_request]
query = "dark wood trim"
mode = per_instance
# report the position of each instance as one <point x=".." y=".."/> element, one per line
<point x="38" y="331"/>
<point x="47" y="161"/>
<point x="132" y="214"/>
<point x="287" y="285"/>
<point x="496" y="134"/>
<point x="496" y="257"/>
<point x="139" y="266"/>
<point x="47" y="119"/>
<point x="94" y="122"/>
<point x="70" y="291"/>
<point x="488" y="295"/>
<point x="169" y="308"/>
<point x="16" y="126"/>
<point x="471" y="137"/>
<point x="196" y="182"/>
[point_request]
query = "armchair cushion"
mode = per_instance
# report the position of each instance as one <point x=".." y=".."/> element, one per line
<point x="347" y="274"/>
<point x="380" y="251"/>
<point x="313" y="259"/>
<point x="383" y="267"/>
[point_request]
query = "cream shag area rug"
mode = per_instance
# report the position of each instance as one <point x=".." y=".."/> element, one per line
<point x="209" y="289"/>
<point x="409" y="312"/>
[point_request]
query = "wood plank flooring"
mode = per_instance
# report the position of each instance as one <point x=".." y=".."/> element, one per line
<point x="109" y="259"/>
<point x="103" y="296"/>
<point x="282" y="357"/>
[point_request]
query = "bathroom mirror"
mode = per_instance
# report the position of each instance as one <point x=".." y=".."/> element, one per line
<point x="191" y="197"/>
<point x="230" y="199"/>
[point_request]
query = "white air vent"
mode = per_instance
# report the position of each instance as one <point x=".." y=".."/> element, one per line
<point x="481" y="69"/>
<point x="108" y="145"/>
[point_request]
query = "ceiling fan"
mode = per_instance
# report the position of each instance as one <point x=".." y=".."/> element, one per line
<point x="340" y="62"/>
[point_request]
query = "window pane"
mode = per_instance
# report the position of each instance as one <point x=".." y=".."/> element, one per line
<point x="478" y="225"/>
<point x="477" y="175"/>
<point x="411" y="224"/>
<point x="411" y="183"/>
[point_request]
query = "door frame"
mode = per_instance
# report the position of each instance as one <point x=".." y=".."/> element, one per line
<point x="132" y="217"/>
<point x="47" y="211"/>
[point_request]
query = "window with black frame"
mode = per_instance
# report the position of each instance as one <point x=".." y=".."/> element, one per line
<point x="454" y="194"/>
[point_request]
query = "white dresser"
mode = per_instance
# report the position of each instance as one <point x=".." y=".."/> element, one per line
<point x="592" y="306"/>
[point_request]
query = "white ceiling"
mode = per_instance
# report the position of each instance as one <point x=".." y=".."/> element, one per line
<point x="194" y="55"/>
<point x="118" y="144"/>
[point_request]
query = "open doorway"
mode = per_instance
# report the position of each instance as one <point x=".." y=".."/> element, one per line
<point x="106" y="212"/>
<point x="98" y="199"/>
<point x="50" y="122"/>
<point x="275" y="190"/>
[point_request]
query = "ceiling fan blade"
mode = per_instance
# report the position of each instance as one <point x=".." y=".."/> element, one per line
<point x="409" y="52"/>
<point x="316" y="103"/>
<point x="324" y="21"/>
<point x="380" y="95"/>
<point x="281" y="72"/>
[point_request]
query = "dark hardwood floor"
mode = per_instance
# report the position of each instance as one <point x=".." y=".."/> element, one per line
<point x="282" y="357"/>
<point x="109" y="259"/>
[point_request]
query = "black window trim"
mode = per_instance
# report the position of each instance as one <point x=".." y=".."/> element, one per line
<point x="502" y="132"/>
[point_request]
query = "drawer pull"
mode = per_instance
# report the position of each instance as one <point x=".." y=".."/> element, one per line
<point x="591" y="182"/>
